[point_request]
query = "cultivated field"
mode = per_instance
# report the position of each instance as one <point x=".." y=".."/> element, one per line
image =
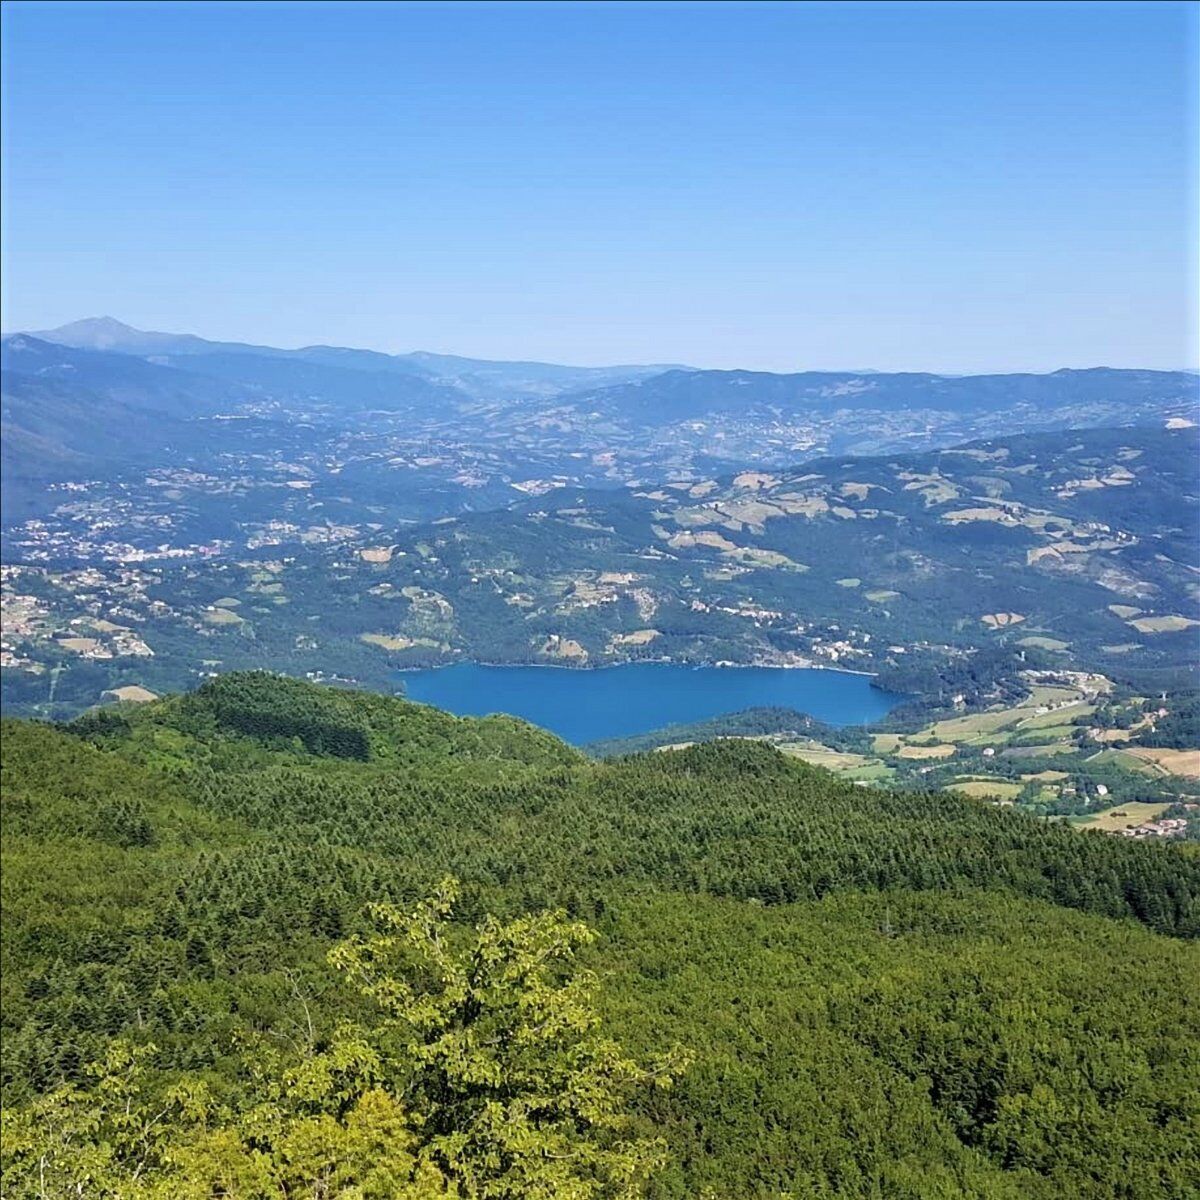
<point x="1004" y="789"/>
<point x="1124" y="816"/>
<point x="1173" y="762"/>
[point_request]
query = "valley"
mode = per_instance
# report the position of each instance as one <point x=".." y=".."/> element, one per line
<point x="616" y="613"/>
<point x="1071" y="747"/>
<point x="351" y="517"/>
<point x="1048" y="548"/>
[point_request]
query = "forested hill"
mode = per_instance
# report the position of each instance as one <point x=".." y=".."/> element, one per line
<point x="880" y="994"/>
<point x="699" y="394"/>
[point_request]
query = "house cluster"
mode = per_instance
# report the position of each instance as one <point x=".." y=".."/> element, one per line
<point x="1168" y="827"/>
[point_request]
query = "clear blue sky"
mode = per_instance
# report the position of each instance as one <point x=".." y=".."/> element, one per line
<point x="927" y="186"/>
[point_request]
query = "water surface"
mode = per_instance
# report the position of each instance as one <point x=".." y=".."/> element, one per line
<point x="587" y="705"/>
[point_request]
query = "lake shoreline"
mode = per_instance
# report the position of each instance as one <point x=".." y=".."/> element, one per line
<point x="589" y="704"/>
<point x="641" y="662"/>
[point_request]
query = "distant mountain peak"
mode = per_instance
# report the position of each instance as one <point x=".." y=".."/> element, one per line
<point x="98" y="325"/>
<point x="107" y="333"/>
<point x="96" y="333"/>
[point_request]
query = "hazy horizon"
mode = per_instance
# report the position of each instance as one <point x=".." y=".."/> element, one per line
<point x="950" y="188"/>
<point x="467" y="354"/>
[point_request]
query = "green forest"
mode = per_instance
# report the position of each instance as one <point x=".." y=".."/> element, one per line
<point x="273" y="939"/>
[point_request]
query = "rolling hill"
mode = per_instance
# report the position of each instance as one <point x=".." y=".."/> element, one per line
<point x="880" y="994"/>
<point x="1076" y="548"/>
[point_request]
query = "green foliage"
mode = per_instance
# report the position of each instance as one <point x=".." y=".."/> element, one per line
<point x="916" y="1045"/>
<point x="750" y="722"/>
<point x="496" y="1046"/>
<point x="483" y="1076"/>
<point x="911" y="995"/>
<point x="114" y="1138"/>
<point x="1180" y="729"/>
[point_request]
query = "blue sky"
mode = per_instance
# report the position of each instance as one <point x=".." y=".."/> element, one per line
<point x="899" y="186"/>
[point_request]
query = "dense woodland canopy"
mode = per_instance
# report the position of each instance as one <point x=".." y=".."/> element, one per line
<point x="878" y="994"/>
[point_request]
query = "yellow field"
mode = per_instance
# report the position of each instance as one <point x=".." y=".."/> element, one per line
<point x="941" y="750"/>
<point x="1001" y="620"/>
<point x="886" y="743"/>
<point x="639" y="637"/>
<point x="387" y="641"/>
<point x="1124" y="816"/>
<point x="132" y="693"/>
<point x="1124" y="611"/>
<point x="822" y="756"/>
<point x="1174" y="762"/>
<point x="1171" y="624"/>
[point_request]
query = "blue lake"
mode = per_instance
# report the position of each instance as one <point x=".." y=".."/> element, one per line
<point x="587" y="705"/>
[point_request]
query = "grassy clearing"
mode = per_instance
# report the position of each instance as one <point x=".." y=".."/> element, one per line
<point x="939" y="750"/>
<point x="1112" y="735"/>
<point x="1064" y="717"/>
<point x="1045" y="693"/>
<point x="964" y="729"/>
<point x="844" y="763"/>
<point x="1124" y="816"/>
<point x="79" y="645"/>
<point x="1124" y="611"/>
<point x="387" y="641"/>
<point x="1044" y="643"/>
<point x="1041" y="737"/>
<point x="131" y="693"/>
<point x="222" y="616"/>
<point x="639" y="637"/>
<point x="818" y="755"/>
<point x="872" y="772"/>
<point x="1168" y="624"/>
<point x="1127" y="761"/>
<point x="1045" y="750"/>
<point x="1003" y="789"/>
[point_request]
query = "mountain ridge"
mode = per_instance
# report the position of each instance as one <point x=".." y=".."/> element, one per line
<point x="108" y="333"/>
